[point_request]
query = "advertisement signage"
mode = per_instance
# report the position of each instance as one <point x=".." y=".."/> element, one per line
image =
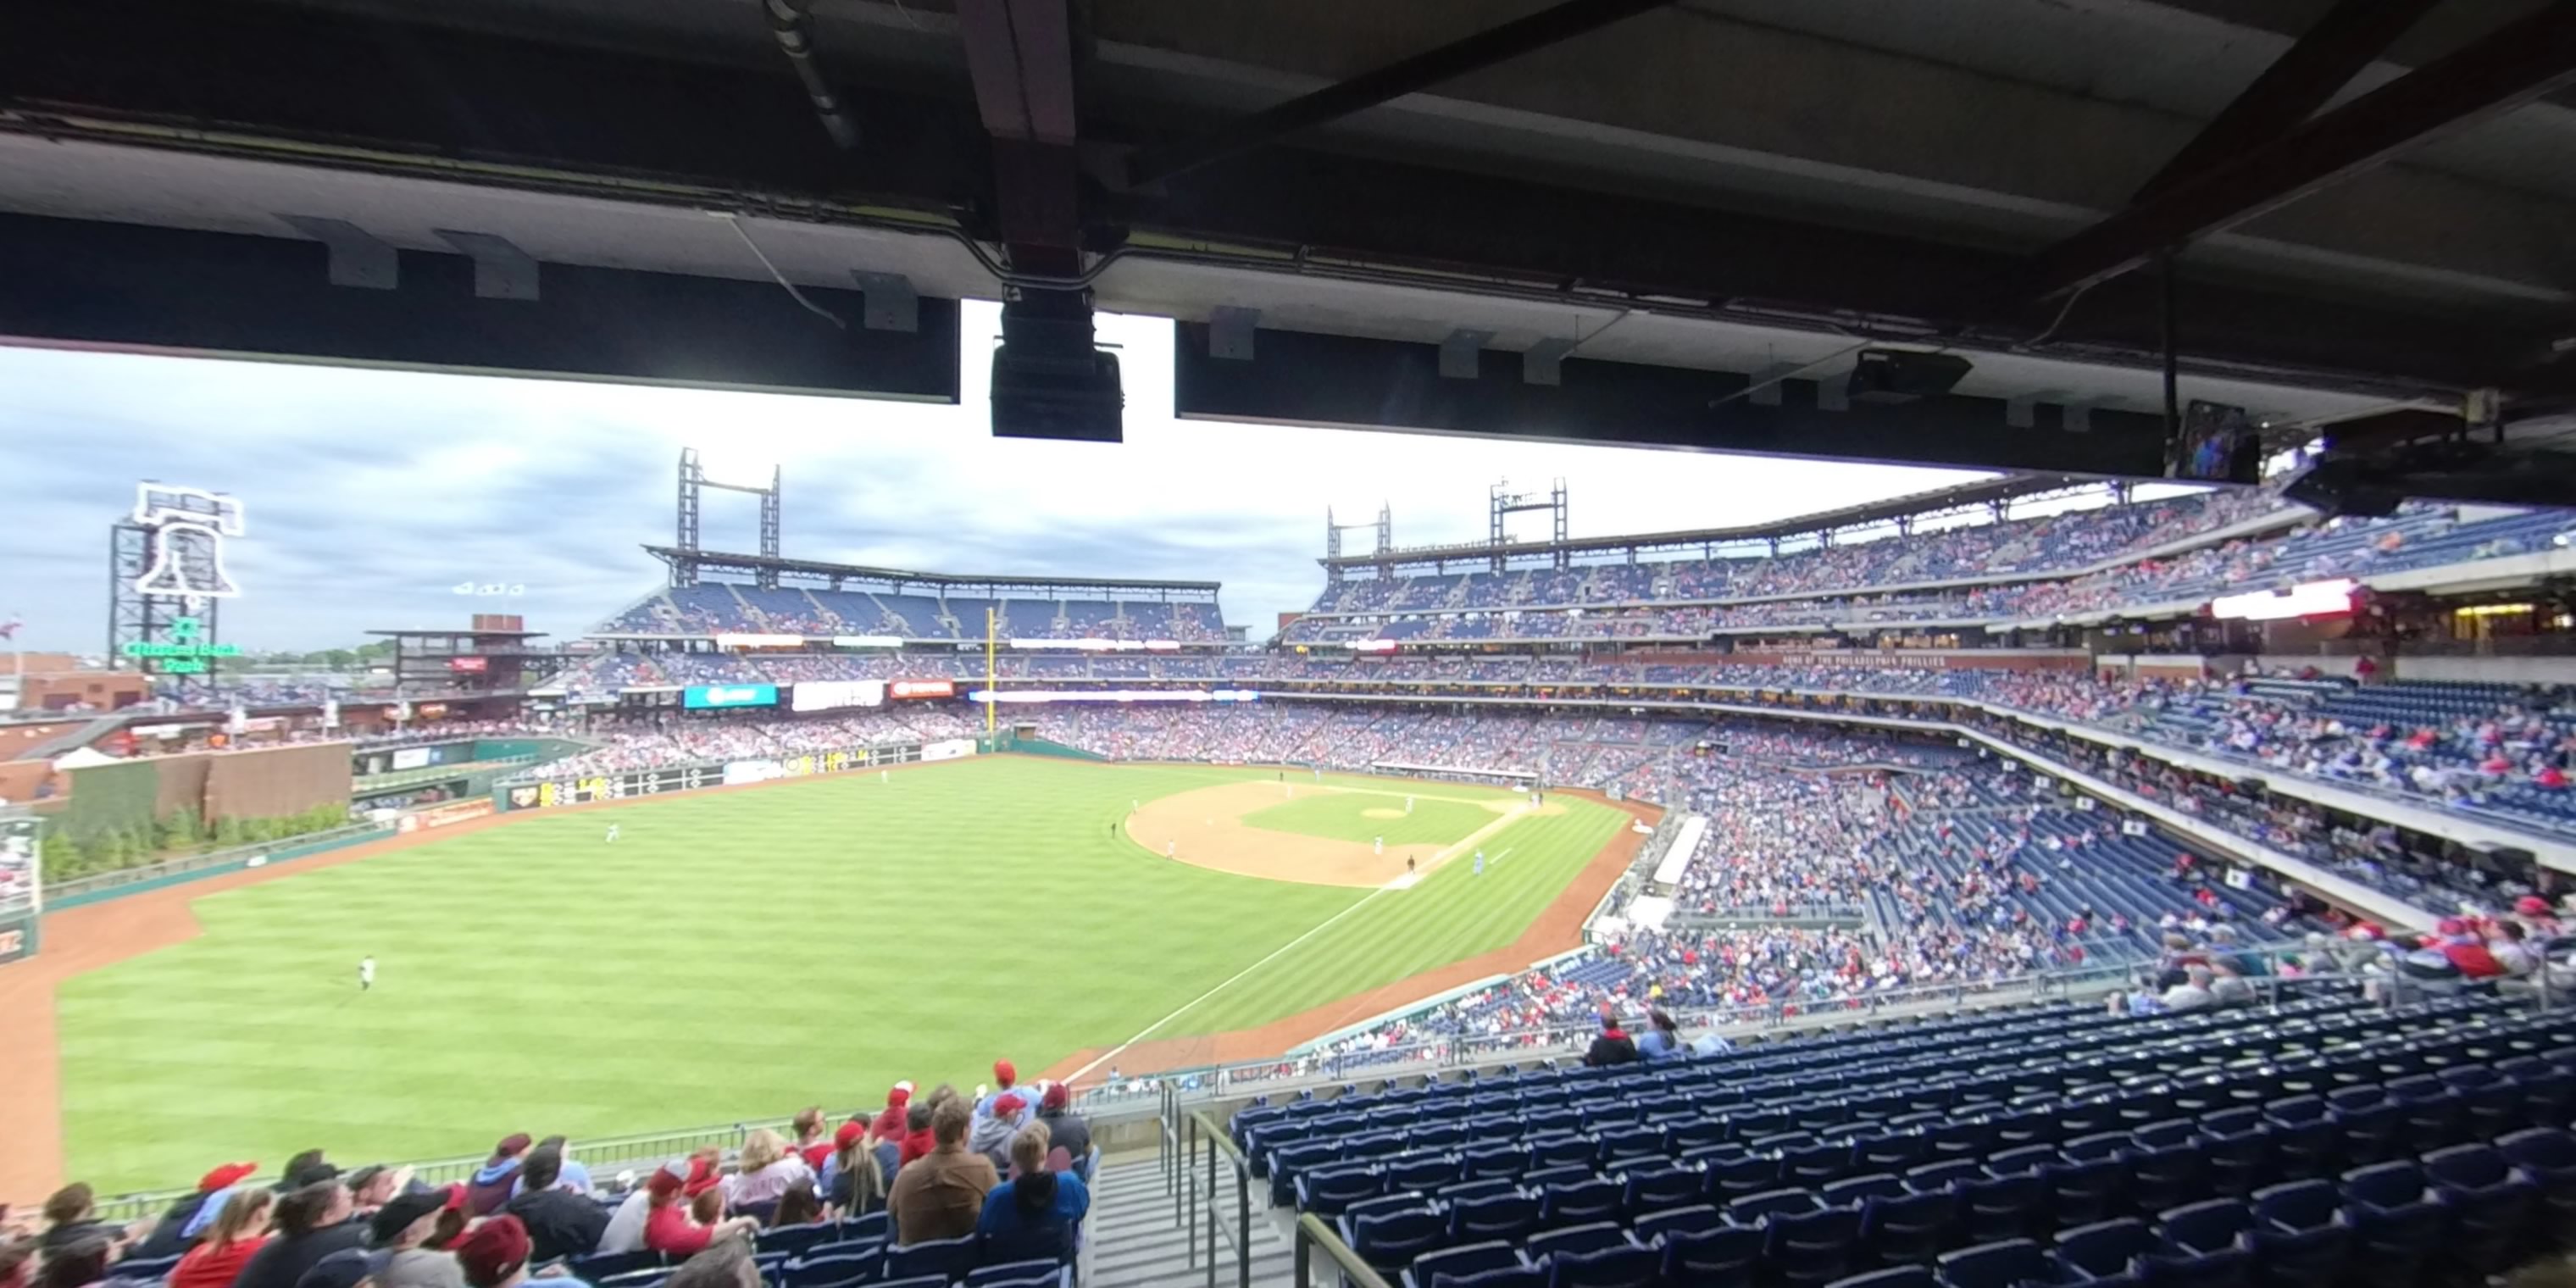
<point x="832" y="695"/>
<point x="700" y="697"/>
<point x="2315" y="599"/>
<point x="922" y="689"/>
<point x="469" y="665"/>
<point x="411" y="758"/>
<point x="867" y="641"/>
<point x="1009" y="696"/>
<point x="730" y="640"/>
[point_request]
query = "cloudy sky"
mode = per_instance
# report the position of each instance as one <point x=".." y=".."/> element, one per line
<point x="370" y="494"/>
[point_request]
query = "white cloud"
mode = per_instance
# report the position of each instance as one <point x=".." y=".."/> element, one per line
<point x="371" y="493"/>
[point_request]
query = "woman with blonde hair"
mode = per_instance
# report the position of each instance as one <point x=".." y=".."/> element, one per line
<point x="764" y="1170"/>
<point x="239" y="1230"/>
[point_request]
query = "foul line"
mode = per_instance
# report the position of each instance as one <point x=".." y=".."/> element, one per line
<point x="1112" y="1053"/>
<point x="1400" y="883"/>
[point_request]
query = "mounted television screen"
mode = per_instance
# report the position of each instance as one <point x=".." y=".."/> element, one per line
<point x="2217" y="445"/>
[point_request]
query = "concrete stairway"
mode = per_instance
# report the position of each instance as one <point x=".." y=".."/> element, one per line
<point x="1134" y="1238"/>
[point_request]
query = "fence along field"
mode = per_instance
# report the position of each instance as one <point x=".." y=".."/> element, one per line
<point x="732" y="955"/>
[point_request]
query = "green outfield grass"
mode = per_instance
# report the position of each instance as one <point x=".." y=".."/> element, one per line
<point x="732" y="955"/>
<point x="1344" y="816"/>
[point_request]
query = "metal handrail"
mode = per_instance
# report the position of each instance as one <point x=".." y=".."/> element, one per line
<point x="1199" y="1127"/>
<point x="1311" y="1231"/>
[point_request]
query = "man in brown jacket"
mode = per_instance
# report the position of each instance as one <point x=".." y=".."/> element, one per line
<point x="939" y="1195"/>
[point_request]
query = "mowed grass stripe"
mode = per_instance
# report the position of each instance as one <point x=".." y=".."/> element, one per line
<point x="733" y="955"/>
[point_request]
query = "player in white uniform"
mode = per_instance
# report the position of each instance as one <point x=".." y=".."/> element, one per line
<point x="1381" y="845"/>
<point x="612" y="831"/>
<point x="366" y="973"/>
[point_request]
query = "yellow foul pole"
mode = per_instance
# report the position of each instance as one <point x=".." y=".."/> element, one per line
<point x="990" y="688"/>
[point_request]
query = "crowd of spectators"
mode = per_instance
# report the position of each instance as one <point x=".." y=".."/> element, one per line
<point x="1008" y="1164"/>
<point x="691" y="740"/>
<point x="712" y="608"/>
<point x="1981" y="573"/>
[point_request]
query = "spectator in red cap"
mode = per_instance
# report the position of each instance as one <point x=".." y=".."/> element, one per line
<point x="852" y="1183"/>
<point x="667" y="1227"/>
<point x="495" y="1254"/>
<point x="1004" y="1075"/>
<point x="230" y="1242"/>
<point x="490" y="1187"/>
<point x="180" y="1225"/>
<point x="889" y="1124"/>
<point x="995" y="1123"/>
<point x="1068" y="1136"/>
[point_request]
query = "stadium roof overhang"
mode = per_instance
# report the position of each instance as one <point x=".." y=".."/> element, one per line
<point x="1659" y="214"/>
<point x="711" y="561"/>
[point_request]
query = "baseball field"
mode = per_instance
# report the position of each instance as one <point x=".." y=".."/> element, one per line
<point x="744" y="952"/>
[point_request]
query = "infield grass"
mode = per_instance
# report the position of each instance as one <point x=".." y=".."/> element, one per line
<point x="1345" y="816"/>
<point x="733" y="955"/>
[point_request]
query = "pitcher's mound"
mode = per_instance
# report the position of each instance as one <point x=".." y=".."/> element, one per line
<point x="1381" y="812"/>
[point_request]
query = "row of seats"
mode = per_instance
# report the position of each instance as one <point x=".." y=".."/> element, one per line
<point x="2330" y="1092"/>
<point x="860" y="1253"/>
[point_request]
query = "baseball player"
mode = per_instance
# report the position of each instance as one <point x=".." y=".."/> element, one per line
<point x="366" y="973"/>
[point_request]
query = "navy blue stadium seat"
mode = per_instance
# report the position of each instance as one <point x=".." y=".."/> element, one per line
<point x="1728" y="1256"/>
<point x="1017" y="1274"/>
<point x="1813" y="1247"/>
<point x="2549" y="1156"/>
<point x="2004" y="1264"/>
<point x="2104" y="1252"/>
<point x="1681" y="1220"/>
<point x="1892" y="1277"/>
<point x="1589" y="1237"/>
<point x="1389" y="1241"/>
<point x="2397" y="1223"/>
<point x="950" y="1258"/>
<point x="798" y="1238"/>
<point x="1501" y="1216"/>
<point x="1910" y="1228"/>
<point x="1325" y="1191"/>
<point x="1594" y="1199"/>
<point x="1622" y="1265"/>
<point x="2491" y="1201"/>
<point x="595" y="1266"/>
<point x="1460" y="1262"/>
<point x="1652" y="1189"/>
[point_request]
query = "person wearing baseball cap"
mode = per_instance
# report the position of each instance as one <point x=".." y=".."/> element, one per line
<point x="667" y="1227"/>
<point x="1068" y="1136"/>
<point x="1005" y="1075"/>
<point x="495" y="1253"/>
<point x="559" y="1223"/>
<point x="851" y="1180"/>
<point x="995" y="1123"/>
<point x="400" y="1231"/>
<point x="490" y="1187"/>
<point x="180" y="1226"/>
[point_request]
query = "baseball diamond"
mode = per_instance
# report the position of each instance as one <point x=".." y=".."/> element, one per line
<point x="707" y="904"/>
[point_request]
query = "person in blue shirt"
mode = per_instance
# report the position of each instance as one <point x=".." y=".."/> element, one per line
<point x="1034" y="1201"/>
<point x="1662" y="1039"/>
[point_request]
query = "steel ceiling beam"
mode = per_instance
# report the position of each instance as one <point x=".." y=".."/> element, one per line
<point x="1549" y="26"/>
<point x="1020" y="56"/>
<point x="2306" y="75"/>
<point x="2505" y="69"/>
